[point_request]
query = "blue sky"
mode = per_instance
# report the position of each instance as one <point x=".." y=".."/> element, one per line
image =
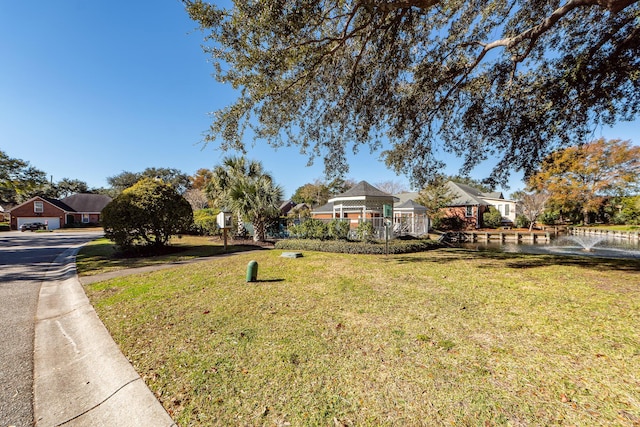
<point x="91" y="88"/>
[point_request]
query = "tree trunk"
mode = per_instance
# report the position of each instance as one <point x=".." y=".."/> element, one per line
<point x="259" y="234"/>
<point x="240" y="228"/>
<point x="585" y="217"/>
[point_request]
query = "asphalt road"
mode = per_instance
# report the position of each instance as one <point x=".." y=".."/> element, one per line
<point x="26" y="262"/>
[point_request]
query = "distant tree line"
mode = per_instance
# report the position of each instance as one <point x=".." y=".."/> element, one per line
<point x="20" y="181"/>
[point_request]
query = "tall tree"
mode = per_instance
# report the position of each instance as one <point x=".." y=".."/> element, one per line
<point x="19" y="181"/>
<point x="511" y="79"/>
<point x="258" y="199"/>
<point x="178" y="180"/>
<point x="123" y="180"/>
<point x="247" y="190"/>
<point x="435" y="197"/>
<point x="339" y="185"/>
<point x="314" y="194"/>
<point x="197" y="198"/>
<point x="583" y="175"/>
<point x="531" y="205"/>
<point x="67" y="186"/>
<point x="200" y="179"/>
<point x="460" y="179"/>
<point x="391" y="187"/>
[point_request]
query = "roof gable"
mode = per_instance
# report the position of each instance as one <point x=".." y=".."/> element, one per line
<point x="54" y="202"/>
<point x="327" y="208"/>
<point x="464" y="195"/>
<point x="361" y="191"/>
<point x="494" y="195"/>
<point x="58" y="203"/>
<point x="410" y="205"/>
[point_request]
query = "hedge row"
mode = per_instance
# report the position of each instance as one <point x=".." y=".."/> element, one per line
<point x="348" y="247"/>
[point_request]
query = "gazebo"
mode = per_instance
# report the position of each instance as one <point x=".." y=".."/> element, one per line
<point x="362" y="202"/>
<point x="410" y="217"/>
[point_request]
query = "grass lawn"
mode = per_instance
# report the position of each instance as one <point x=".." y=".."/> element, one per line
<point x="445" y="337"/>
<point x="99" y="256"/>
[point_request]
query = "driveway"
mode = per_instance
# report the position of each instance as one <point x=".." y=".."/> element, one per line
<point x="26" y="262"/>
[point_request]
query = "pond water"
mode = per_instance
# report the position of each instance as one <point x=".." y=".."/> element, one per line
<point x="567" y="245"/>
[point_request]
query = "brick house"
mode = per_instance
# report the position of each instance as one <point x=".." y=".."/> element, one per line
<point x="469" y="204"/>
<point x="54" y="213"/>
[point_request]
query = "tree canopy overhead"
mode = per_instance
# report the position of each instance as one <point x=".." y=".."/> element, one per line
<point x="513" y="80"/>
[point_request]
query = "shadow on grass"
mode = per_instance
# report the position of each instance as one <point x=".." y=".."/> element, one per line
<point x="103" y="256"/>
<point x="523" y="261"/>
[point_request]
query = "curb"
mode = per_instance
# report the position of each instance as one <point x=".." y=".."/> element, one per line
<point x="81" y="378"/>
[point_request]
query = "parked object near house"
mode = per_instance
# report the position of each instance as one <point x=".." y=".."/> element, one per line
<point x="76" y="209"/>
<point x="33" y="226"/>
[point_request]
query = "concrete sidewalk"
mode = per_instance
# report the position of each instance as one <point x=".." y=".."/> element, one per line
<point x="87" y="280"/>
<point x="81" y="378"/>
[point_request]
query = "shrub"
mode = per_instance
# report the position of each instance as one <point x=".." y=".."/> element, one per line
<point x="148" y="213"/>
<point x="205" y="222"/>
<point x="338" y="229"/>
<point x="365" y="231"/>
<point x="549" y="218"/>
<point x="346" y="247"/>
<point x="453" y="222"/>
<point x="492" y="218"/>
<point x="522" y="221"/>
<point x="310" y="229"/>
<point x="629" y="211"/>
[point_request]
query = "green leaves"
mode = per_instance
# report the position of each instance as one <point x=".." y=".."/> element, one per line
<point x="513" y="80"/>
<point x="147" y="213"/>
<point x="19" y="180"/>
<point x="243" y="187"/>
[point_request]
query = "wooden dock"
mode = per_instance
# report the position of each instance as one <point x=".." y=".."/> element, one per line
<point x="498" y="236"/>
<point x="622" y="236"/>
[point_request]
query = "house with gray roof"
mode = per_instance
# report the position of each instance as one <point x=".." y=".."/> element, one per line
<point x="469" y="204"/>
<point x="80" y="208"/>
<point x="86" y="207"/>
<point x="364" y="202"/>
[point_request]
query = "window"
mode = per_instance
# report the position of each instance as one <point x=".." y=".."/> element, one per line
<point x="85" y="218"/>
<point x="500" y="208"/>
<point x="38" y="207"/>
<point x="506" y="210"/>
<point x="469" y="210"/>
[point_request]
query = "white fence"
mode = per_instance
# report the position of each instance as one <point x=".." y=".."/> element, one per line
<point x="400" y="226"/>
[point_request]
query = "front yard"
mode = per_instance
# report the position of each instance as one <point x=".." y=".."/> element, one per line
<point x="445" y="337"/>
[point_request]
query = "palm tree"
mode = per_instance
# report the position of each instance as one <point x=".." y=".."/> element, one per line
<point x="247" y="190"/>
<point x="258" y="198"/>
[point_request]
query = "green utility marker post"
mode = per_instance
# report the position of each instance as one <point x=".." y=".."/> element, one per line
<point x="252" y="271"/>
<point x="387" y="211"/>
